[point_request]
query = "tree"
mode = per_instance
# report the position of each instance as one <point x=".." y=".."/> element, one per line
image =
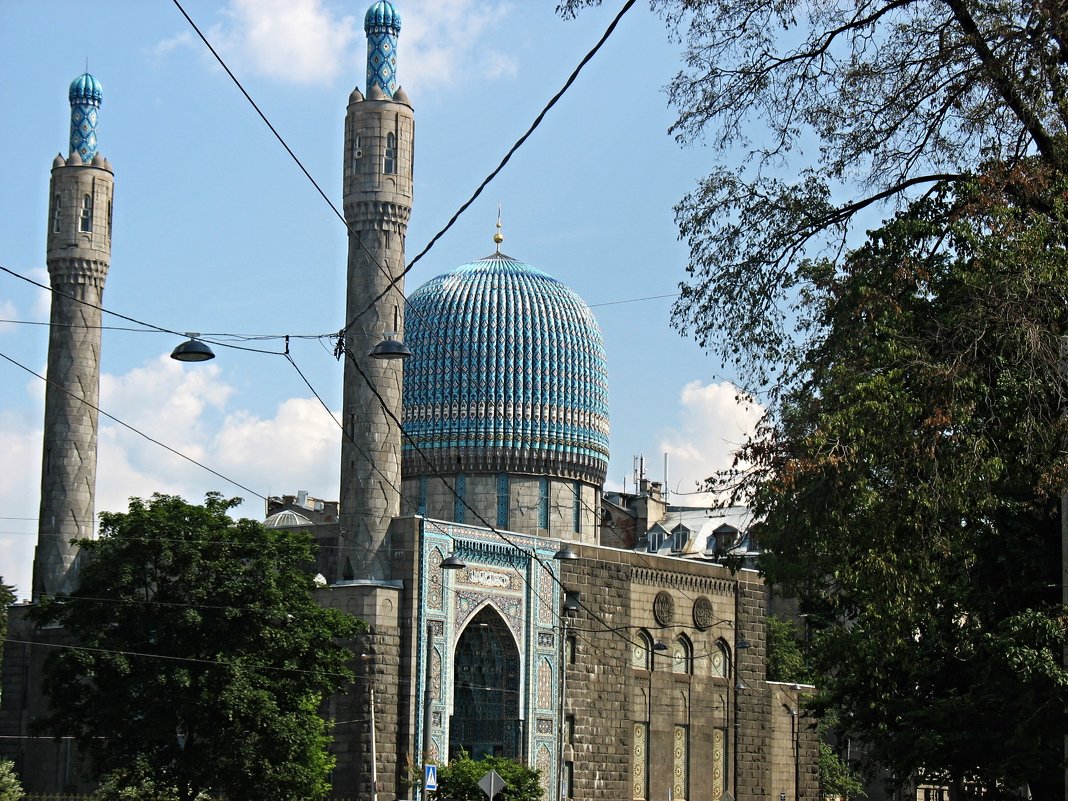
<point x="909" y="487"/>
<point x="7" y="597"/>
<point x="200" y="654"/>
<point x="459" y="779"/>
<point x="827" y="110"/>
<point x="788" y="661"/>
<point x="10" y="787"/>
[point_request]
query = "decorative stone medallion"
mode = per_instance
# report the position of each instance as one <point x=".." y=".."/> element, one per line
<point x="664" y="608"/>
<point x="703" y="616"/>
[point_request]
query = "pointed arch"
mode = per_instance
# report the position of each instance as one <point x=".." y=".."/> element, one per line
<point x="720" y="659"/>
<point x="682" y="655"/>
<point x="486" y="688"/>
<point x="642" y="651"/>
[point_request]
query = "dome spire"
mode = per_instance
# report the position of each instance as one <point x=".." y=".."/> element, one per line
<point x="498" y="237"/>
<point x="382" y="24"/>
<point x="85" y="97"/>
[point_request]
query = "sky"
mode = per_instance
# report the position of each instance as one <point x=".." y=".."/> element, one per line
<point x="217" y="231"/>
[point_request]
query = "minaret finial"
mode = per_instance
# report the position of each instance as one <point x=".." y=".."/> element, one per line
<point x="85" y="97"/>
<point x="498" y="237"/>
<point x="382" y="24"/>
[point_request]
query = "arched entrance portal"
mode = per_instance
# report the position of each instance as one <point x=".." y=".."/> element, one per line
<point x="485" y="718"/>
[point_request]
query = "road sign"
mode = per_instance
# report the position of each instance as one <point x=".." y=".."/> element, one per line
<point x="431" y="782"/>
<point x="491" y="784"/>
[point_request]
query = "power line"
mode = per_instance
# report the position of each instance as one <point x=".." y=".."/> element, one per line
<point x="135" y="430"/>
<point x="507" y="157"/>
<point x="152" y="326"/>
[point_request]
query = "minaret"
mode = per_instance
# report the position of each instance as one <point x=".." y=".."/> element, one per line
<point x="379" y="142"/>
<point x="79" y="253"/>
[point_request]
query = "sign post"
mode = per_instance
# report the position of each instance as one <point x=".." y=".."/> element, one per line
<point x="430" y="782"/>
<point x="491" y="784"/>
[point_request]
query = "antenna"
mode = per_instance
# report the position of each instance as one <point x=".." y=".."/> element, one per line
<point x="667" y="486"/>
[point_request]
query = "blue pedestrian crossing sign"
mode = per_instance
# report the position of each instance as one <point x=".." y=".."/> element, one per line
<point x="431" y="783"/>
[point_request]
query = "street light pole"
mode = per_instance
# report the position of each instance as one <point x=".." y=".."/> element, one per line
<point x="374" y="751"/>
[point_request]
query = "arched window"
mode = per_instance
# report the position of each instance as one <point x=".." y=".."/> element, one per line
<point x="681" y="656"/>
<point x="357" y="153"/>
<point x="55" y="213"/>
<point x="109" y="219"/>
<point x="642" y="652"/>
<point x="390" y="164"/>
<point x="720" y="660"/>
<point x="86" y="224"/>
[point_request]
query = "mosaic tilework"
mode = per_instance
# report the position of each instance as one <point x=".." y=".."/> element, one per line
<point x="508" y="374"/>
<point x="382" y="24"/>
<point x="85" y="97"/>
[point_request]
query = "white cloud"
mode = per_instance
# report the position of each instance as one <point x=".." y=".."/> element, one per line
<point x="449" y="40"/>
<point x="296" y="41"/>
<point x="313" y="42"/>
<point x="183" y="40"/>
<point x="188" y="410"/>
<point x="712" y="424"/>
<point x="7" y="312"/>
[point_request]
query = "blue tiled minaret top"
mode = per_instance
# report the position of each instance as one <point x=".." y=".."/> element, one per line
<point x="382" y="24"/>
<point x="85" y="96"/>
<point x="508" y="374"/>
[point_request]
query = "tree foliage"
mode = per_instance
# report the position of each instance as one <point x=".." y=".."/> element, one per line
<point x="910" y="484"/>
<point x="10" y="787"/>
<point x="823" y="110"/>
<point x="201" y="655"/>
<point x="458" y="780"/>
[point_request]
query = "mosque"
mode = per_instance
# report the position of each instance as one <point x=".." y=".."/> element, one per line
<point x="513" y="608"/>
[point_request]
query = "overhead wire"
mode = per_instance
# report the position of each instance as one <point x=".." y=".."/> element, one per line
<point x="393" y="280"/>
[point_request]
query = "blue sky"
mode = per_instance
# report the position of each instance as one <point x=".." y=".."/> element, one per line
<point x="217" y="231"/>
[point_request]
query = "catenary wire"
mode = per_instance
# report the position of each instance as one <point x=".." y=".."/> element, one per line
<point x="137" y="431"/>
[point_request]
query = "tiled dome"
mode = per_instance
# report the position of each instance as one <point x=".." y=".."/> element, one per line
<point x="507" y="374"/>
<point x="382" y="15"/>
<point x="85" y="88"/>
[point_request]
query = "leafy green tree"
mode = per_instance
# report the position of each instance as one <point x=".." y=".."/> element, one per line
<point x="788" y="661"/>
<point x="201" y="655"/>
<point x="10" y="788"/>
<point x="459" y="779"/>
<point x="823" y="111"/>
<point x="786" y="655"/>
<point x="7" y="597"/>
<point x="910" y="485"/>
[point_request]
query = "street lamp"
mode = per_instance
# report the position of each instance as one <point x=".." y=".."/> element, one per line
<point x="192" y="350"/>
<point x="734" y="679"/>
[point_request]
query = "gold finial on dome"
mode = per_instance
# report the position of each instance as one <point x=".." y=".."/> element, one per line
<point x="498" y="237"/>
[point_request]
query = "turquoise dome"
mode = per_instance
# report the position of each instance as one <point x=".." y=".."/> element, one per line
<point x="85" y="89"/>
<point x="508" y="374"/>
<point x="382" y="14"/>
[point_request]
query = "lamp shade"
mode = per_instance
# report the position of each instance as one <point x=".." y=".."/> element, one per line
<point x="192" y="350"/>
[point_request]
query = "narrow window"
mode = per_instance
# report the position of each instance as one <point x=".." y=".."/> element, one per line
<point x="640" y="770"/>
<point x="86" y="224"/>
<point x="543" y="503"/>
<point x="422" y="495"/>
<point x="681" y="785"/>
<point x="502" y="500"/>
<point x="576" y="512"/>
<point x="55" y="213"/>
<point x="390" y="166"/>
<point x="109" y="219"/>
<point x="458" y="508"/>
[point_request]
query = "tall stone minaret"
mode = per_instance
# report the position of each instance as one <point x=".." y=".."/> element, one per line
<point x="379" y="142"/>
<point x="79" y="253"/>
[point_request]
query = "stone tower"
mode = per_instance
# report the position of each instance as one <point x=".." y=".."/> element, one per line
<point x="379" y="141"/>
<point x="79" y="252"/>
